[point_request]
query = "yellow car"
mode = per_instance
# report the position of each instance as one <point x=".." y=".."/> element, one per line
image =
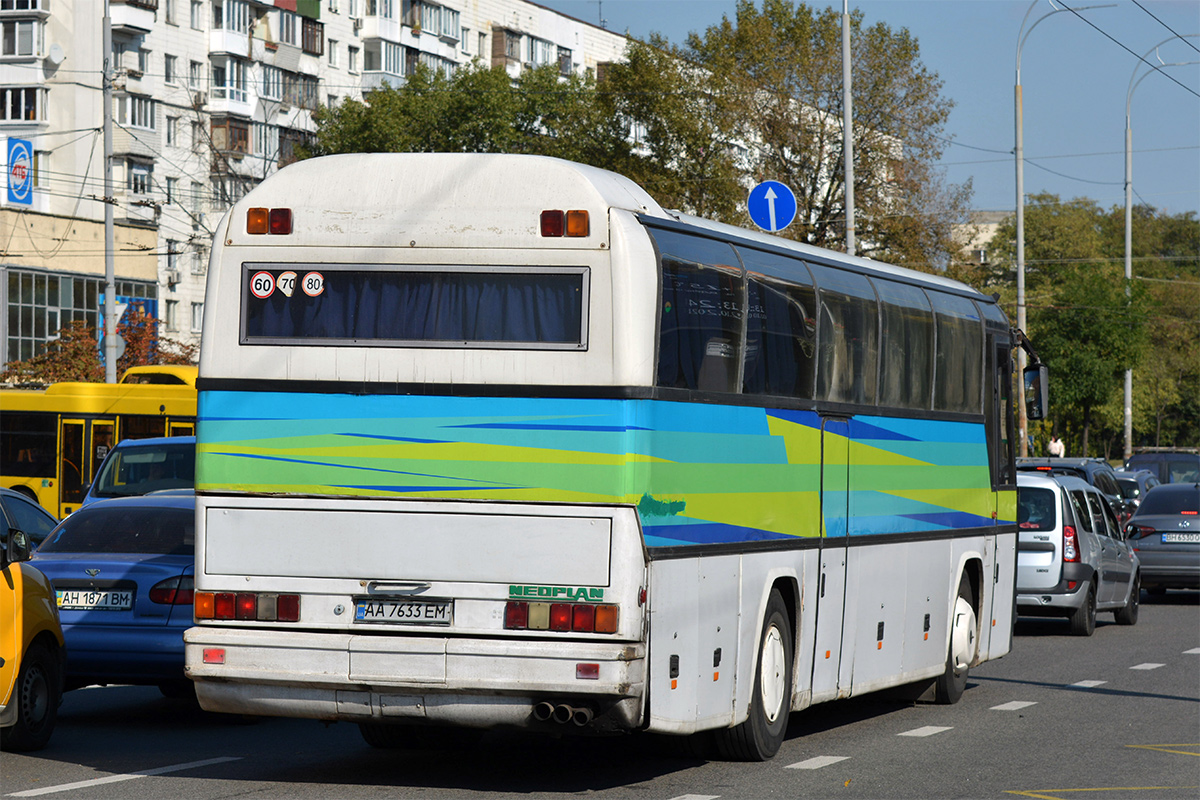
<point x="32" y="653"/>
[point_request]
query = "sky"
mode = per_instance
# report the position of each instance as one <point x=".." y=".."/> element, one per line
<point x="1075" y="80"/>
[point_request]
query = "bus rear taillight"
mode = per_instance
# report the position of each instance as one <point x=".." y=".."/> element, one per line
<point x="277" y="221"/>
<point x="263" y="607"/>
<point x="556" y="223"/>
<point x="578" y="617"/>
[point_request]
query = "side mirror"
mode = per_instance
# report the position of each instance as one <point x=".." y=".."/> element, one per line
<point x="1037" y="391"/>
<point x="17" y="548"/>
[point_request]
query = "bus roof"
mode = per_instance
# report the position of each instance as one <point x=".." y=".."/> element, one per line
<point x="78" y="397"/>
<point x="162" y="375"/>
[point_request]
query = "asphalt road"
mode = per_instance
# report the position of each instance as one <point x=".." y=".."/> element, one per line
<point x="1113" y="716"/>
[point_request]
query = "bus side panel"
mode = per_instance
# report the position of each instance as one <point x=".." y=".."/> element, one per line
<point x="997" y="641"/>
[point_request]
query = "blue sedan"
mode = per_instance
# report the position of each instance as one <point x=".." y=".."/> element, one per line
<point x="122" y="571"/>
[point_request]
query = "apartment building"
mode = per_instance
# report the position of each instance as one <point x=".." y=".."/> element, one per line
<point x="209" y="97"/>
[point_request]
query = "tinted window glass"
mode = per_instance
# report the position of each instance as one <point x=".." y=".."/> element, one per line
<point x="702" y="300"/>
<point x="958" y="383"/>
<point x="1097" y="506"/>
<point x="1083" y="514"/>
<point x="1183" y="470"/>
<point x="1170" y="502"/>
<point x="847" y="336"/>
<point x="28" y="517"/>
<point x="1036" y="509"/>
<point x="781" y="330"/>
<point x="906" y="349"/>
<point x="387" y="305"/>
<point x="144" y="469"/>
<point x="27" y="444"/>
<point x="1129" y="488"/>
<point x="154" y="530"/>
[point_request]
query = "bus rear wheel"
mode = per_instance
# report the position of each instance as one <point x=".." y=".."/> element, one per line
<point x="760" y="736"/>
<point x="963" y="645"/>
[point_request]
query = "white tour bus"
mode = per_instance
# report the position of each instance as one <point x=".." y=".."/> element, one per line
<point x="495" y="440"/>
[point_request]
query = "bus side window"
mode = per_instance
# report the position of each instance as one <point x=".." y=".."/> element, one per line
<point x="906" y="364"/>
<point x="700" y="339"/>
<point x="959" y="380"/>
<point x="848" y="336"/>
<point x="781" y="326"/>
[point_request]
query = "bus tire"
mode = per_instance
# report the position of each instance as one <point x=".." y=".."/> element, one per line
<point x="36" y="694"/>
<point x="760" y="736"/>
<point x="963" y="644"/>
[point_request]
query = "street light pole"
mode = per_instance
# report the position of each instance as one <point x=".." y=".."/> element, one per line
<point x="1019" y="153"/>
<point x="110" y="281"/>
<point x="848" y="126"/>
<point x="1128" y="404"/>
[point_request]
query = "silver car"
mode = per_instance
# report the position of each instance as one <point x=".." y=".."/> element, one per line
<point x="1072" y="557"/>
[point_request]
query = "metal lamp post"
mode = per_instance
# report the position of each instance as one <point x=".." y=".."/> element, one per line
<point x="1019" y="152"/>
<point x="1133" y="84"/>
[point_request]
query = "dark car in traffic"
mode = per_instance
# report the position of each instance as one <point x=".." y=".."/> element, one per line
<point x="1165" y="532"/>
<point x="1168" y="465"/>
<point x="1095" y="471"/>
<point x="18" y="511"/>
<point x="122" y="572"/>
<point x="1134" y="485"/>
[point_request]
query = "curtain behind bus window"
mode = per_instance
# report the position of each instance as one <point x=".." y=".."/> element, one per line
<point x="448" y="307"/>
<point x="702" y="305"/>
<point x="848" y="335"/>
<point x="959" y="381"/>
<point x="781" y="330"/>
<point x="906" y="368"/>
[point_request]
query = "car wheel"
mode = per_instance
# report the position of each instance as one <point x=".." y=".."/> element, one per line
<point x="760" y="736"/>
<point x="963" y="643"/>
<point x="1083" y="619"/>
<point x="1129" y="614"/>
<point x="36" y="694"/>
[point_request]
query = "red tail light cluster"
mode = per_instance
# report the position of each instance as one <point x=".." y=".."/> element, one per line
<point x="1070" y="544"/>
<point x="578" y="617"/>
<point x="276" y="221"/>
<point x="262" y="606"/>
<point x="173" y="591"/>
<point x="559" y="223"/>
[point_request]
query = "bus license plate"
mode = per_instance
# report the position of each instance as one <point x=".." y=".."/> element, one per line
<point x="113" y="600"/>
<point x="1181" y="538"/>
<point x="413" y="612"/>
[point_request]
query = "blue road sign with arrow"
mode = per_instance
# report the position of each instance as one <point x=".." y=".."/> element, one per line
<point x="772" y="206"/>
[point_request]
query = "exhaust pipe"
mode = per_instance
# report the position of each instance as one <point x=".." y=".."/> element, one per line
<point x="582" y="716"/>
<point x="543" y="711"/>
<point x="563" y="713"/>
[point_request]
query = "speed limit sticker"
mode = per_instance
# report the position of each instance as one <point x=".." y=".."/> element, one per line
<point x="262" y="284"/>
<point x="286" y="283"/>
<point x="313" y="284"/>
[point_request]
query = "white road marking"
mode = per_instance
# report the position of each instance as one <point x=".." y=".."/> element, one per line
<point x="1148" y="665"/>
<point x="1195" y="651"/>
<point x="816" y="762"/>
<point x="1015" y="705"/>
<point x="696" y="797"/>
<point x="1089" y="684"/>
<point x="928" y="730"/>
<point x="67" y="787"/>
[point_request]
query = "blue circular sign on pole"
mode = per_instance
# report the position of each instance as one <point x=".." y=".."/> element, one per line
<point x="772" y="206"/>
<point x="20" y="171"/>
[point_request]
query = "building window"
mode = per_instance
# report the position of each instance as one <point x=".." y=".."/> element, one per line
<point x="172" y="253"/>
<point x="232" y="15"/>
<point x="314" y="37"/>
<point x="139" y="177"/>
<point x="21" y="5"/>
<point x="333" y="6"/>
<point x="352" y="59"/>
<point x="266" y="141"/>
<point x="272" y="83"/>
<point x="466" y="41"/>
<point x="300" y="90"/>
<point x="41" y="169"/>
<point x="197" y="204"/>
<point x="172" y="191"/>
<point x="197" y="136"/>
<point x="231" y="135"/>
<point x="229" y="79"/>
<point x="170" y="68"/>
<point x="173" y="131"/>
<point x="564" y="61"/>
<point x="197" y="317"/>
<point x="22" y="104"/>
<point x="169" y="12"/>
<point x="198" y="15"/>
<point x="333" y="49"/>
<point x="21" y="37"/>
<point x="195" y="74"/>
<point x="143" y="56"/>
<point x="172" y="320"/>
<point x="542" y="52"/>
<point x="287" y="27"/>
<point x="379" y="8"/>
<point x="135" y="111"/>
<point x="331" y="102"/>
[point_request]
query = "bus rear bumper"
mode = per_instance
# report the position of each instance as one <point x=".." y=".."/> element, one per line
<point x="421" y="680"/>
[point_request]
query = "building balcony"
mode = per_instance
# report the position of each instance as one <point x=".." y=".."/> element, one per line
<point x="377" y="79"/>
<point x="232" y="42"/>
<point x="379" y="28"/>
<point x="134" y="17"/>
<point x="230" y="100"/>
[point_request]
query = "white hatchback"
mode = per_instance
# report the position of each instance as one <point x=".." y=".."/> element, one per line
<point x="1072" y="557"/>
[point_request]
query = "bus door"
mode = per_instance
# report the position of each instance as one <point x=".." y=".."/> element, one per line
<point x="103" y="440"/>
<point x="73" y="474"/>
<point x="831" y="585"/>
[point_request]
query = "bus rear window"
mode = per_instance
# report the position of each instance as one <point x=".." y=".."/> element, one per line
<point x="508" y="307"/>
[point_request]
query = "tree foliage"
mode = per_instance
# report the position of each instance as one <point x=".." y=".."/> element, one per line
<point x="1089" y="331"/>
<point x="753" y="97"/>
<point x="74" y="355"/>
